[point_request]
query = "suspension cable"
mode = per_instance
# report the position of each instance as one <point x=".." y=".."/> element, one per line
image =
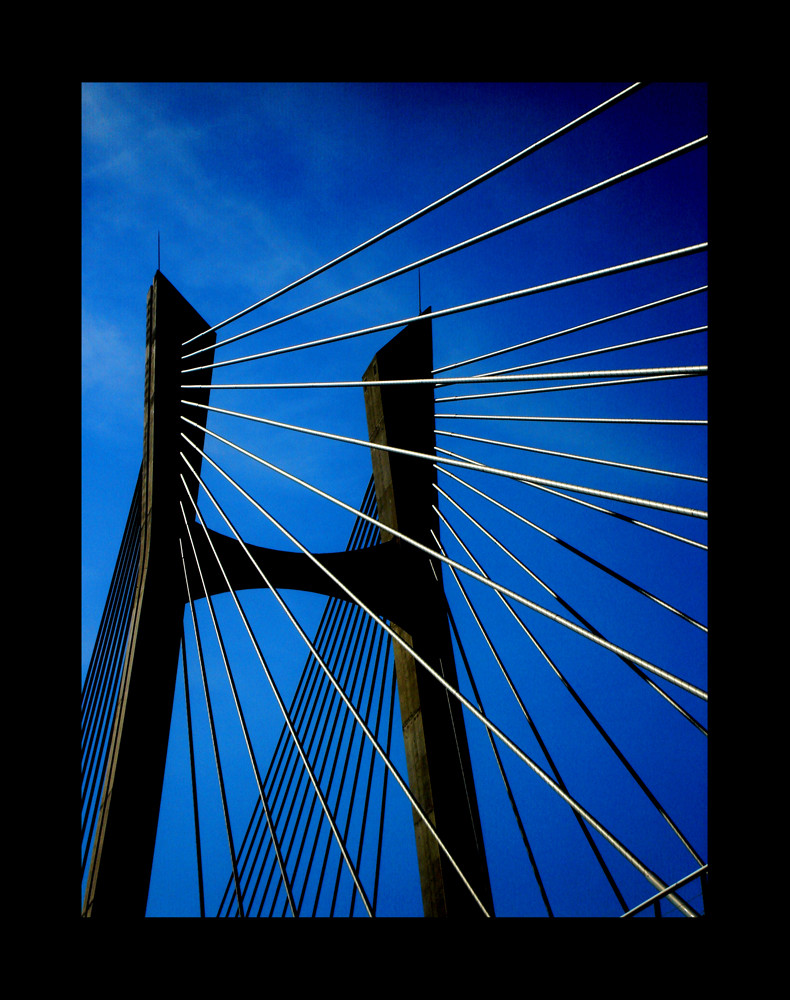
<point x="350" y="664"/>
<point x="104" y="677"/>
<point x="335" y="621"/>
<point x="431" y="552"/>
<point x="360" y="722"/>
<point x="192" y="774"/>
<point x="573" y="420"/>
<point x="535" y="732"/>
<point x="621" y="848"/>
<point x="371" y="765"/>
<point x="578" y="458"/>
<point x="566" y="545"/>
<point x="466" y="306"/>
<point x="596" y="507"/>
<point x="470" y="379"/>
<point x="629" y="662"/>
<point x="501" y="767"/>
<point x="303" y="709"/>
<point x="359" y="756"/>
<point x="478" y="467"/>
<point x="114" y="606"/>
<point x="603" y="350"/>
<point x="573" y="329"/>
<point x="534" y="147"/>
<point x="240" y="713"/>
<point x="699" y="873"/>
<point x="276" y="692"/>
<point x="562" y="388"/>
<point x="618" y="753"/>
<point x="210" y="713"/>
<point x="387" y="749"/>
<point x="335" y="613"/>
<point x="472" y="241"/>
<point x="350" y="659"/>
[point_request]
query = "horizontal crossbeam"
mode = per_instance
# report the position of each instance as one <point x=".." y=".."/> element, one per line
<point x="376" y="574"/>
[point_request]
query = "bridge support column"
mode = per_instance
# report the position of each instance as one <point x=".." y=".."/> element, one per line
<point x="437" y="753"/>
<point x="124" y="843"/>
<point x="395" y="579"/>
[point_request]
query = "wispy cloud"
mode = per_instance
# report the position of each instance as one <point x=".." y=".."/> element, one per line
<point x="128" y="140"/>
<point x="146" y="169"/>
<point x="113" y="372"/>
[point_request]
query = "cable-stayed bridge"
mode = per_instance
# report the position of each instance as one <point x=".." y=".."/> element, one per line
<point x="488" y="696"/>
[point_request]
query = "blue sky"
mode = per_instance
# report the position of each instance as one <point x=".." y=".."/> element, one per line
<point x="253" y="185"/>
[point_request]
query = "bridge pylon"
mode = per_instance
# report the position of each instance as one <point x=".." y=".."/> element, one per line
<point x="437" y="751"/>
<point x="125" y="839"/>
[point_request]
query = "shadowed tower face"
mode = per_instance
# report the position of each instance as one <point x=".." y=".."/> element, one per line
<point x="437" y="754"/>
<point x="126" y="832"/>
